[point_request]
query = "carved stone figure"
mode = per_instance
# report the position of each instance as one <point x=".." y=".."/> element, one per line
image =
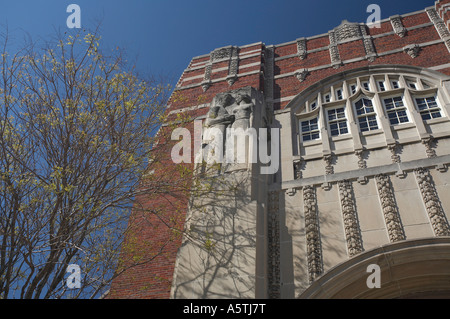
<point x="242" y="111"/>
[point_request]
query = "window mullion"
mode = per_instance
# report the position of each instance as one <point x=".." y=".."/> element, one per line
<point x="383" y="119"/>
<point x="417" y="118"/>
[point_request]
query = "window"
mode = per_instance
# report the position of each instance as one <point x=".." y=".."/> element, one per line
<point x="381" y="86"/>
<point x="395" y="84"/>
<point x="353" y="88"/>
<point x="339" y="95"/>
<point x="337" y="121"/>
<point x="366" y="85"/>
<point x="412" y="85"/>
<point x="327" y="98"/>
<point x="428" y="107"/>
<point x="309" y="130"/>
<point x="396" y="110"/>
<point x="313" y="105"/>
<point x="366" y="115"/>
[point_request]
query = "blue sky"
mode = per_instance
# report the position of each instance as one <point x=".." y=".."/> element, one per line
<point x="163" y="35"/>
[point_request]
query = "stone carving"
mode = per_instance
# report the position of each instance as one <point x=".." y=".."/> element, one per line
<point x="313" y="245"/>
<point x="361" y="162"/>
<point x="412" y="50"/>
<point x="233" y="66"/>
<point x="298" y="169"/>
<point x="241" y="111"/>
<point x="351" y="226"/>
<point x="347" y="30"/>
<point x="428" y="142"/>
<point x="274" y="246"/>
<point x="206" y="83"/>
<point x="328" y="166"/>
<point x="221" y="53"/>
<point x="439" y="24"/>
<point x="301" y="48"/>
<point x="301" y="74"/>
<point x="389" y="207"/>
<point x="394" y="149"/>
<point x="228" y="110"/>
<point x="268" y="75"/>
<point x="218" y="114"/>
<point x="334" y="51"/>
<point x="369" y="48"/>
<point x="397" y="26"/>
<point x="432" y="204"/>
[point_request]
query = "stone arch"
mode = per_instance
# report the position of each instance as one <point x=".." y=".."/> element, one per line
<point x="409" y="269"/>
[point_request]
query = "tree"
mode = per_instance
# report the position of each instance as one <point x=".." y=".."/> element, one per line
<point x="77" y="128"/>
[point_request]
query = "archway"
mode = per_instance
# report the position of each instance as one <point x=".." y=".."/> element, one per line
<point x="408" y="269"/>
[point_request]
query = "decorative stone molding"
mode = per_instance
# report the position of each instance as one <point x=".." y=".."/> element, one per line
<point x="349" y="31"/>
<point x="394" y="148"/>
<point x="268" y="75"/>
<point x="438" y="23"/>
<point x="298" y="169"/>
<point x="301" y="48"/>
<point x="206" y="83"/>
<point x="389" y="207"/>
<point x="274" y="246"/>
<point x="361" y="162"/>
<point x="397" y="25"/>
<point x="428" y="142"/>
<point x="328" y="166"/>
<point x="351" y="225"/>
<point x="369" y="48"/>
<point x="233" y="66"/>
<point x="432" y="204"/>
<point x="412" y="50"/>
<point x="221" y="53"/>
<point x="440" y="26"/>
<point x="334" y="51"/>
<point x="313" y="244"/>
<point x="301" y="74"/>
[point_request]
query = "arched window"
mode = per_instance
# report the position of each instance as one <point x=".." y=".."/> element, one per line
<point x="369" y="106"/>
<point x="365" y="112"/>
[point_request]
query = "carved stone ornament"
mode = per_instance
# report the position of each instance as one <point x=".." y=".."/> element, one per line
<point x="351" y="225"/>
<point x="428" y="142"/>
<point x="313" y="244"/>
<point x="301" y="48"/>
<point x="369" y="48"/>
<point x="221" y="53"/>
<point x="301" y="74"/>
<point x="412" y="50"/>
<point x="298" y="169"/>
<point x="390" y="212"/>
<point x="361" y="162"/>
<point x="432" y="203"/>
<point x="328" y="166"/>
<point x="394" y="148"/>
<point x="397" y="25"/>
<point x="206" y="83"/>
<point x="274" y="246"/>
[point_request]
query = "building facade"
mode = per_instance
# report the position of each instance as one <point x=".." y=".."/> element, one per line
<point x="359" y="118"/>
